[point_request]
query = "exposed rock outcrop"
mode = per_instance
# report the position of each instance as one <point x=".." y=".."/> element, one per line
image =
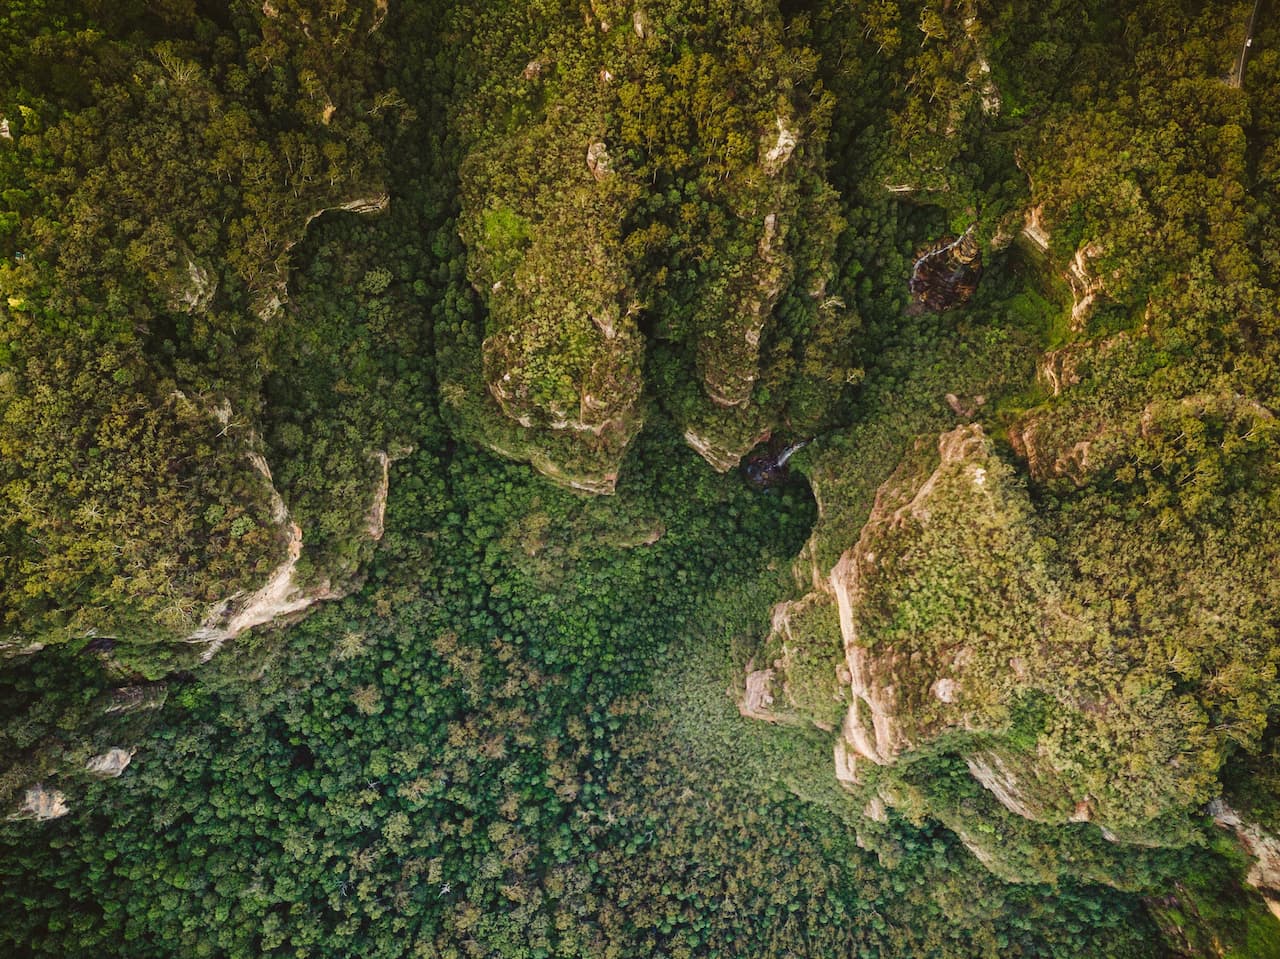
<point x="780" y="150"/>
<point x="561" y="356"/>
<point x="281" y="595"/>
<point x="362" y="205"/>
<point x="721" y="457"/>
<point x="730" y="360"/>
<point x="757" y="697"/>
<point x="562" y="289"/>
<point x="903" y="698"/>
<point x="19" y="649"/>
<point x="1082" y="279"/>
<point x="1086" y="285"/>
<point x="1033" y="229"/>
<point x="805" y="680"/>
<point x="128" y="699"/>
<point x="598" y="160"/>
<point x="594" y="406"/>
<point x="1058" y="441"/>
<point x="735" y="310"/>
<point x="1046" y="457"/>
<point x="734" y="317"/>
<point x="278" y="597"/>
<point x="978" y="73"/>
<point x="1262" y="846"/>
<point x="110" y="764"/>
<point x="948" y="617"/>
<point x="1079" y="447"/>
<point x="600" y="483"/>
<point x="376" y="522"/>
<point x="995" y="773"/>
<point x="195" y="294"/>
<point x="42" y="804"/>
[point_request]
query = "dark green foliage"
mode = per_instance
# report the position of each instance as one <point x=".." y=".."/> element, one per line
<point x="504" y="790"/>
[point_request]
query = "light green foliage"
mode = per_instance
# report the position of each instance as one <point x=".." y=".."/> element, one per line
<point x="658" y="169"/>
<point x="1148" y="451"/>
<point x="966" y="586"/>
<point x="156" y="197"/>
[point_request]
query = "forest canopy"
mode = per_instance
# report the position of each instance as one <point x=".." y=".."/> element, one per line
<point x="670" y="478"/>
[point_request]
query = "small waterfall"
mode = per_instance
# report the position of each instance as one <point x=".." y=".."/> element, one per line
<point x="915" y="270"/>
<point x="764" y="469"/>
<point x="793" y="448"/>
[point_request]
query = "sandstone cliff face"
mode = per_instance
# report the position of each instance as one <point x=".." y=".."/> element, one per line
<point x="740" y="301"/>
<point x="282" y="596"/>
<point x="110" y="764"/>
<point x="949" y="628"/>
<point x="273" y="292"/>
<point x="1262" y="846"/>
<point x="784" y="207"/>
<point x="135" y="698"/>
<point x="729" y="354"/>
<point x="596" y="216"/>
<point x="560" y="358"/>
<point x="1075" y="442"/>
<point x="376" y="518"/>
<point x="800" y="678"/>
<point x="42" y="804"/>
<point x="1087" y="287"/>
<point x="904" y="698"/>
<point x="563" y="352"/>
<point x="897" y="698"/>
<point x="591" y="403"/>
<point x="276" y="597"/>
<point x="723" y="451"/>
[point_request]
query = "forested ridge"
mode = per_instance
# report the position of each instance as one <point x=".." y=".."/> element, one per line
<point x="399" y="555"/>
